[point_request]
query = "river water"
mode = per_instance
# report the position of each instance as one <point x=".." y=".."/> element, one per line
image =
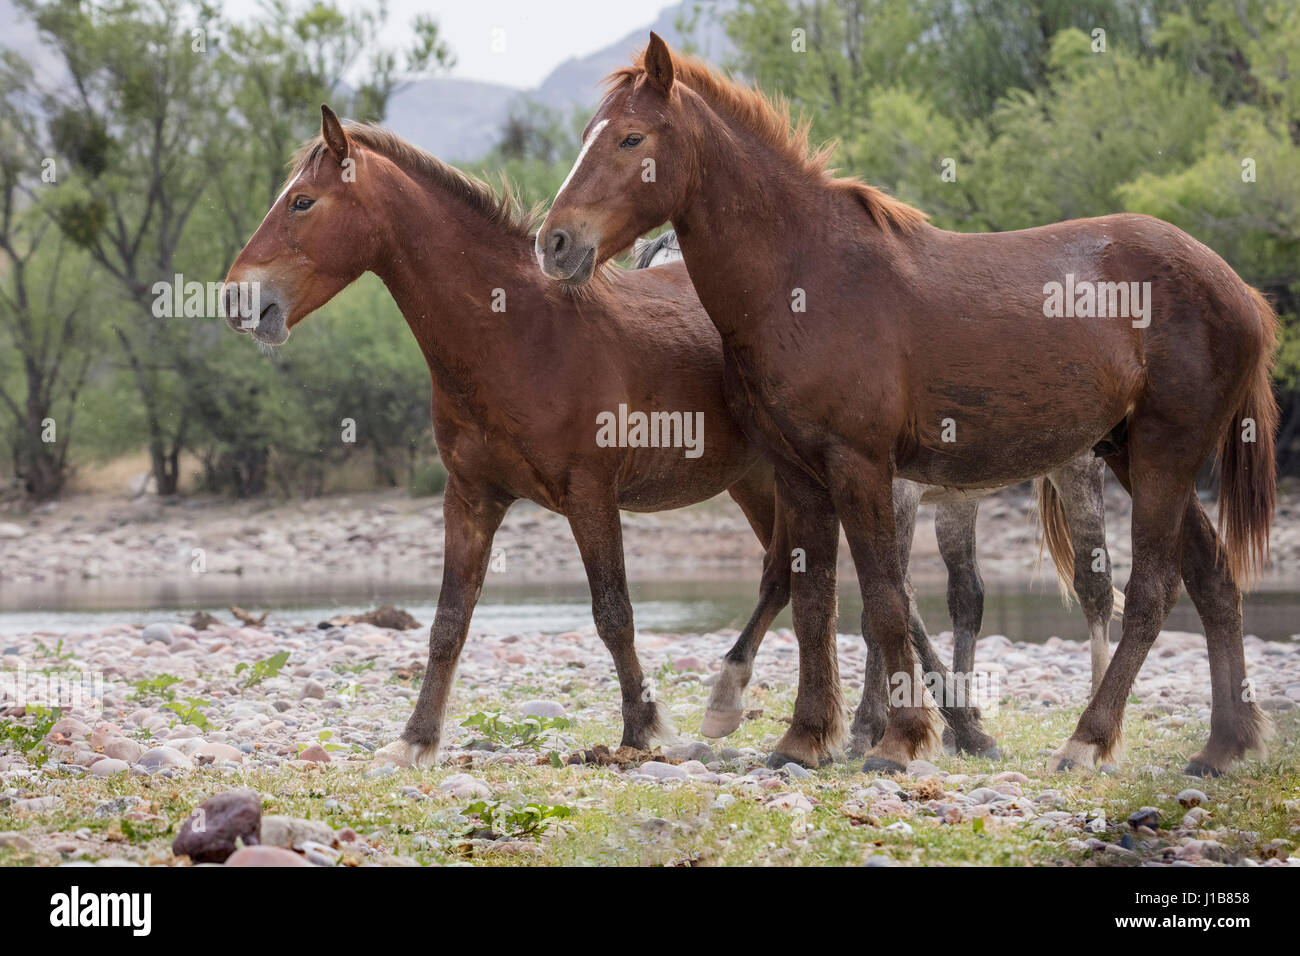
<point x="1022" y="609"/>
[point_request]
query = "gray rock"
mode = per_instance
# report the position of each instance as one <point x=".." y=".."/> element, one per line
<point x="1191" y="797"/>
<point x="662" y="771"/>
<point x="923" y="768"/>
<point x="157" y="634"/>
<point x="542" y="708"/>
<point x="290" y="832"/>
<point x="16" y="841"/>
<point x="109" y="766"/>
<point x="163" y="758"/>
<point x="690" y="750"/>
<point x="465" y="787"/>
<point x="213" y="832"/>
<point x="1145" y="817"/>
<point x="314" y="690"/>
<point x="794" y="770"/>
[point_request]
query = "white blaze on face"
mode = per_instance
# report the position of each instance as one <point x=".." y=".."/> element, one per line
<point x="283" y="193"/>
<point x="582" y="155"/>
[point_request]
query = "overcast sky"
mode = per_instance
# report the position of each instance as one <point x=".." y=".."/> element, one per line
<point x="539" y="34"/>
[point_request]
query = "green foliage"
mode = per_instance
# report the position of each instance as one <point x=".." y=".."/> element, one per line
<point x="27" y="737"/>
<point x="502" y="731"/>
<point x="189" y="712"/>
<point x="158" y="686"/>
<point x="262" y="670"/>
<point x="526" y="821"/>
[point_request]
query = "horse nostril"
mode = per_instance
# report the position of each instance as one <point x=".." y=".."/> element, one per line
<point x="559" y="242"/>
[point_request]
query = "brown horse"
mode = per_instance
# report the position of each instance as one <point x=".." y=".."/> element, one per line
<point x="1074" y="521"/>
<point x="861" y="341"/>
<point x="518" y="389"/>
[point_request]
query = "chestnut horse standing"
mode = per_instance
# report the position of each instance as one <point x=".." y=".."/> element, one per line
<point x="860" y="341"/>
<point x="517" y="388"/>
<point x="1073" y="511"/>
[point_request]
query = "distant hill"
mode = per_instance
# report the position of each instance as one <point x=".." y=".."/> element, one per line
<point x="456" y="119"/>
<point x="460" y="120"/>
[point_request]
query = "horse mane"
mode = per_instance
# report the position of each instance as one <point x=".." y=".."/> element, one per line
<point x="768" y="119"/>
<point x="502" y="208"/>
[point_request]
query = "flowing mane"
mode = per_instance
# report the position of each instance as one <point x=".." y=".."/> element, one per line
<point x="499" y="208"/>
<point x="769" y="120"/>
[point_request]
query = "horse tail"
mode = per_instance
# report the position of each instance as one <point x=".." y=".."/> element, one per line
<point x="1248" y="484"/>
<point x="1056" y="535"/>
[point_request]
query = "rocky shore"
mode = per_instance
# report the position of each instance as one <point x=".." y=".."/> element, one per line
<point x="388" y="533"/>
<point x="175" y="716"/>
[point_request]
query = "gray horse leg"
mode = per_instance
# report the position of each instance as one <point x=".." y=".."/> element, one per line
<point x="954" y="526"/>
<point x="1079" y="484"/>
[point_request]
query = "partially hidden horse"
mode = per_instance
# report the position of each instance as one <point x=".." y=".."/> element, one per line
<point x="521" y="370"/>
<point x="1072" y="503"/>
<point x="862" y="342"/>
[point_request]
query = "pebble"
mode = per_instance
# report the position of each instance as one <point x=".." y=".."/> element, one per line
<point x="313" y="690"/>
<point x="1145" y="817"/>
<point x="214" y="831"/>
<point x="464" y="787"/>
<point x="123" y="749"/>
<point x="287" y="831"/>
<point x="163" y="758"/>
<point x="109" y="766"/>
<point x="16" y="841"/>
<point x="662" y="771"/>
<point x="1192" y="797"/>
<point x="690" y="750"/>
<point x="265" y="856"/>
<point x="543" y="708"/>
<point x="157" y="634"/>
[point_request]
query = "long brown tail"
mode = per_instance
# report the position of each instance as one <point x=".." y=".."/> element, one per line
<point x="1056" y="537"/>
<point x="1056" y="534"/>
<point x="1248" y="482"/>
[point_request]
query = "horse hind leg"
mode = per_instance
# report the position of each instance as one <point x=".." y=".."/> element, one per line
<point x="1236" y="723"/>
<point x="756" y="496"/>
<point x="1160" y="491"/>
<point x="1080" y="486"/>
<point x="954" y="526"/>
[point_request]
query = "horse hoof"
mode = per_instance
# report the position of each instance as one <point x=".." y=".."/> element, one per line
<point x="882" y="765"/>
<point x="400" y="753"/>
<point x="776" y="760"/>
<point x="992" y="752"/>
<point x="1064" y="765"/>
<point x="720" y="723"/>
<point x="1197" y="769"/>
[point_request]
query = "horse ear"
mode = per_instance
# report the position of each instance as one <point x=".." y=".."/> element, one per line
<point x="659" y="64"/>
<point x="331" y="130"/>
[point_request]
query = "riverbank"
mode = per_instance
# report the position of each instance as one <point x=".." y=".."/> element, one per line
<point x="105" y="539"/>
<point x="189" y="714"/>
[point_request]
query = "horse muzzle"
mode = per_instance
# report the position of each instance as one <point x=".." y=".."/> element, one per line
<point x="563" y="256"/>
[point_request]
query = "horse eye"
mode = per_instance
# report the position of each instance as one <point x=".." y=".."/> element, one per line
<point x="302" y="204"/>
<point x="630" y="140"/>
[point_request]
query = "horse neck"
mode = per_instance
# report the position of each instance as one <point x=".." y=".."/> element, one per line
<point x="442" y="262"/>
<point x="742" y="265"/>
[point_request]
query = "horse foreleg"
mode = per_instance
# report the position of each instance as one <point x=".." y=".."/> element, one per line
<point x="599" y="533"/>
<point x="861" y="488"/>
<point x="817" y="725"/>
<point x="869" y="719"/>
<point x="470" y="520"/>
